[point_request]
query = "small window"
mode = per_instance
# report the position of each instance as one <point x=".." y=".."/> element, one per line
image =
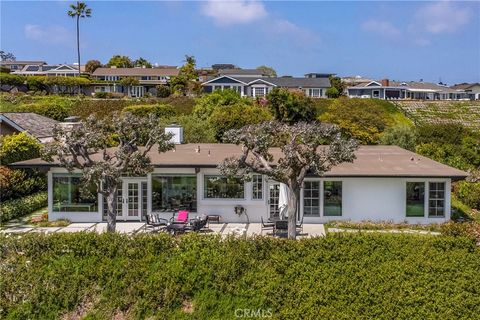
<point x="332" y="198"/>
<point x="415" y="199"/>
<point x="376" y="93"/>
<point x="436" y="199"/>
<point x="257" y="187"/>
<point x="220" y="187"/>
<point x="311" y="199"/>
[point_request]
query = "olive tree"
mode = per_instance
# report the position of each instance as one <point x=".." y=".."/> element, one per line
<point x="301" y="148"/>
<point x="104" y="150"/>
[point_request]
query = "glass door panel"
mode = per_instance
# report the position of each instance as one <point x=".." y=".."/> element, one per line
<point x="273" y="197"/>
<point x="133" y="199"/>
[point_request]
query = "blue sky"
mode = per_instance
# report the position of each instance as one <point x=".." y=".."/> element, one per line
<point x="397" y="40"/>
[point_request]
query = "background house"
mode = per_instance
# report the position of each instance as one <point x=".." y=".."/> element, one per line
<point x="20" y="64"/>
<point x="472" y="90"/>
<point x="108" y="79"/>
<point x="60" y="70"/>
<point x="37" y="126"/>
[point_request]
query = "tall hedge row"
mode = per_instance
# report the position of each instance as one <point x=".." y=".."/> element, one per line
<point x="349" y="276"/>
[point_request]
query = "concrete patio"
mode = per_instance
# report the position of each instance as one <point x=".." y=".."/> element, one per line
<point x="224" y="229"/>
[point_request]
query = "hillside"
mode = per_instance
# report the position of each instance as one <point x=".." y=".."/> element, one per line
<point x="466" y="113"/>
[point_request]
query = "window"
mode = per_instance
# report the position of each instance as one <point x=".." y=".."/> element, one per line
<point x="174" y="192"/>
<point x="314" y="93"/>
<point x="436" y="199"/>
<point x="376" y="93"/>
<point x="259" y="91"/>
<point x="219" y="187"/>
<point x="311" y="198"/>
<point x="68" y="195"/>
<point x="415" y="199"/>
<point x="257" y="187"/>
<point x="332" y="198"/>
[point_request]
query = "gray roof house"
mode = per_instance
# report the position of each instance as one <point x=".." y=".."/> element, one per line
<point x="37" y="126"/>
<point x="59" y="70"/>
<point x="19" y="64"/>
<point x="418" y="90"/>
<point x="471" y="89"/>
<point x="254" y="84"/>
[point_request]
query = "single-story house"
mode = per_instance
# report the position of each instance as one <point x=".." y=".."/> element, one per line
<point x="108" y="79"/>
<point x="37" y="126"/>
<point x="19" y="64"/>
<point x="384" y="183"/>
<point x="471" y="89"/>
<point x="260" y="85"/>
<point x="59" y="70"/>
<point x="417" y="90"/>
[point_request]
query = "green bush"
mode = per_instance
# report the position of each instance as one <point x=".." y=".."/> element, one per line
<point x="36" y="83"/>
<point x="102" y="95"/>
<point x="163" y="91"/>
<point x="160" y="110"/>
<point x="290" y="107"/>
<point x="400" y="135"/>
<point x="18" y="147"/>
<point x="208" y="103"/>
<point x="468" y="193"/>
<point x="19" y="183"/>
<point x="195" y="130"/>
<point x="11" y="79"/>
<point x="12" y="209"/>
<point x="346" y="276"/>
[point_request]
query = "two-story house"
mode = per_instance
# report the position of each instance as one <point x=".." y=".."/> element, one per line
<point x="109" y="79"/>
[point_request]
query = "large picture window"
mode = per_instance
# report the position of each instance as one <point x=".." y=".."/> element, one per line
<point x="311" y="198"/>
<point x="257" y="187"/>
<point x="220" y="187"/>
<point x="415" y="199"/>
<point x="174" y="192"/>
<point x="436" y="199"/>
<point x="332" y="198"/>
<point x="68" y="195"/>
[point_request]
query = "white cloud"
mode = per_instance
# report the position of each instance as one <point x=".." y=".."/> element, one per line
<point x="227" y="13"/>
<point x="383" y="28"/>
<point x="441" y="17"/>
<point x="285" y="28"/>
<point x="50" y="34"/>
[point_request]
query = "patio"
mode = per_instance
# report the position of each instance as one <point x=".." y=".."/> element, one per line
<point x="224" y="229"/>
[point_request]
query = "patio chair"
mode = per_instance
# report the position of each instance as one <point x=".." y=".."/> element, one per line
<point x="182" y="217"/>
<point x="198" y="223"/>
<point x="280" y="225"/>
<point x="266" y="226"/>
<point x="154" y="222"/>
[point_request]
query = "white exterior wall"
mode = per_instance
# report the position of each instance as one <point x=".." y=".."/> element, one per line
<point x="375" y="199"/>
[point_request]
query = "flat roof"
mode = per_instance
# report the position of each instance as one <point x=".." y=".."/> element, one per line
<point x="371" y="161"/>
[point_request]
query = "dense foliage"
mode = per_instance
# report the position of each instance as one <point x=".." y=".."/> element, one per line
<point x="290" y="106"/>
<point x="468" y="193"/>
<point x="159" y="110"/>
<point x="366" y="276"/>
<point x="18" y="147"/>
<point x="16" y="183"/>
<point x="15" y="208"/>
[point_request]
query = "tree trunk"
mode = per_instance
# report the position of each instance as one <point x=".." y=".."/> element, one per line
<point x="292" y="212"/>
<point x="111" y="210"/>
<point x="78" y="44"/>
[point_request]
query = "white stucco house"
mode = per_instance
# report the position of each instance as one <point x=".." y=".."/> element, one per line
<point x="384" y="183"/>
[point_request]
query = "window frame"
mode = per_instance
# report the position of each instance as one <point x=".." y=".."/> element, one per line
<point x="260" y="189"/>
<point x="311" y="198"/>
<point x="425" y="203"/>
<point x="96" y="205"/>
<point x="324" y="202"/>
<point x="171" y="175"/>
<point x="437" y="199"/>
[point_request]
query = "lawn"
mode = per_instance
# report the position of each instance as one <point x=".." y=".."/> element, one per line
<point x="346" y="276"/>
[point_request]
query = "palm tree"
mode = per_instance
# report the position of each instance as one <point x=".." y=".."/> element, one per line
<point x="79" y="11"/>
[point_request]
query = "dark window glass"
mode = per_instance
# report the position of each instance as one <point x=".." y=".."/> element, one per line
<point x="415" y="199"/>
<point x="332" y="198"/>
<point x="172" y="193"/>
<point x="219" y="187"/>
<point x="68" y="195"/>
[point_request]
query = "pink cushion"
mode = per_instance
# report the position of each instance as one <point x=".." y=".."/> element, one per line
<point x="182" y="216"/>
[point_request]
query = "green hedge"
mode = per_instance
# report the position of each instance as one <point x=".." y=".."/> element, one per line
<point x="468" y="193"/>
<point x="345" y="276"/>
<point x="12" y="209"/>
<point x="11" y="79"/>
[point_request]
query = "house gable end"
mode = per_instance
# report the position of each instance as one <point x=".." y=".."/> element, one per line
<point x="223" y="79"/>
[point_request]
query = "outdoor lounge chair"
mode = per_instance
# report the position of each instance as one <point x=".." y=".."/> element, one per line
<point x="182" y="217"/>
<point x="155" y="222"/>
<point x="266" y="226"/>
<point x="198" y="223"/>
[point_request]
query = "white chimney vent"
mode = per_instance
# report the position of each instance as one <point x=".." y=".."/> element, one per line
<point x="177" y="132"/>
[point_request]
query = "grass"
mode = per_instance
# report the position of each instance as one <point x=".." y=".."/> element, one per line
<point x="383" y="225"/>
<point x="461" y="210"/>
<point x="344" y="276"/>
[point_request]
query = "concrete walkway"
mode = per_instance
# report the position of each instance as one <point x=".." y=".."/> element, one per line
<point x="224" y="229"/>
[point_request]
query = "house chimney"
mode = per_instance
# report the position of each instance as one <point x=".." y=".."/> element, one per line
<point x="177" y="132"/>
<point x="385" y="82"/>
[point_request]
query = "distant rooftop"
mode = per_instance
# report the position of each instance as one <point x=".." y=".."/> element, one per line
<point x="157" y="71"/>
<point x="30" y="122"/>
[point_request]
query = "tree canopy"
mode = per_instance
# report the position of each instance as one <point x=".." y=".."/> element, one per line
<point x="92" y="65"/>
<point x="186" y="81"/>
<point x="141" y="62"/>
<point x="267" y="70"/>
<point x="120" y="62"/>
<point x="290" y="107"/>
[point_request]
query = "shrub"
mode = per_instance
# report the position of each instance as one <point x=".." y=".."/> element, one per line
<point x="290" y="107"/>
<point x="208" y="103"/>
<point x="19" y="183"/>
<point x="36" y="83"/>
<point x="195" y="130"/>
<point x="361" y="119"/>
<point x="12" y="209"/>
<point x="160" y="110"/>
<point x="400" y="135"/>
<point x="332" y="92"/>
<point x="18" y="147"/>
<point x="11" y="79"/>
<point x="469" y="229"/>
<point x="163" y="91"/>
<point x="102" y="95"/>
<point x="468" y="193"/>
<point x="361" y="276"/>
